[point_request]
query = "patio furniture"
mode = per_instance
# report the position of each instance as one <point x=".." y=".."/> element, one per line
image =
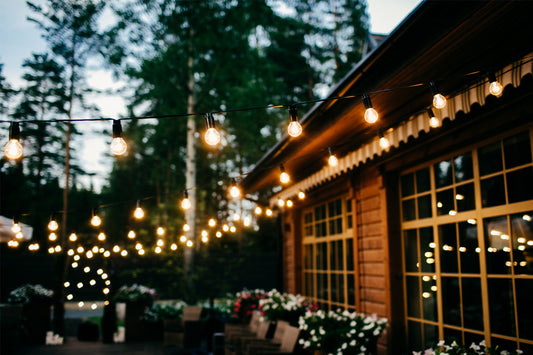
<point x="287" y="345"/>
<point x="236" y="346"/>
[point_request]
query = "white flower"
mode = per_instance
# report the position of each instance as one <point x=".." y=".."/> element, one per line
<point x="440" y="343"/>
<point x="474" y="346"/>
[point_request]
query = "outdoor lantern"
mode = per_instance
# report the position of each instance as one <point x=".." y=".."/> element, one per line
<point x="212" y="137"/>
<point x="294" y="129"/>
<point x="118" y="145"/>
<point x="13" y="148"/>
<point x="439" y="101"/>
<point x="371" y="115"/>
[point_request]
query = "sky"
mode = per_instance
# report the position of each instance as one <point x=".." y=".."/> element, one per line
<point x="19" y="38"/>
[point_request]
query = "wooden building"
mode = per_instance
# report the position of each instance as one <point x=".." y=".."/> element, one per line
<point x="434" y="232"/>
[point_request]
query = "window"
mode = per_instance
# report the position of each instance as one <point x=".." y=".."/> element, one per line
<point x="467" y="239"/>
<point x="328" y="254"/>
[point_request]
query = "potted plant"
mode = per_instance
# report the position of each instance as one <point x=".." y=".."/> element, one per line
<point x="137" y="298"/>
<point x="36" y="301"/>
<point x="457" y="349"/>
<point x="340" y="332"/>
<point x="245" y="302"/>
<point x="285" y="306"/>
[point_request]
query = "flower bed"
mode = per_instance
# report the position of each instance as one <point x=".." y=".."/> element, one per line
<point x="285" y="306"/>
<point x="457" y="349"/>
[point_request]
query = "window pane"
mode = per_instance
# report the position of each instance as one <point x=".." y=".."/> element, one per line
<point x="451" y="301"/>
<point x="497" y="243"/>
<point x="308" y="257"/>
<point x="492" y="191"/>
<point x="445" y="202"/>
<point x="517" y="150"/>
<point x="448" y="248"/>
<point x="464" y="195"/>
<point x="321" y="290"/>
<point x="429" y="297"/>
<point x="414" y="331"/>
<point x="407" y="184"/>
<point x="413" y="297"/>
<point x="451" y="335"/>
<point x="333" y="288"/>
<point x="501" y="307"/>
<point x="410" y="250"/>
<point x="524" y="290"/>
<point x="463" y="167"/>
<point x="468" y="248"/>
<point x="349" y="254"/>
<point x="424" y="206"/>
<point x="351" y="289"/>
<point x="490" y="159"/>
<point x="427" y="249"/>
<point x="472" y="309"/>
<point x="520" y="185"/>
<point x="340" y="285"/>
<point x="522" y="234"/>
<point x="408" y="210"/>
<point x="443" y="173"/>
<point x="423" y="182"/>
<point x="431" y="335"/>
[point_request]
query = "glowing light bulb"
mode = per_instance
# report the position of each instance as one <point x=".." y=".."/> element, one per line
<point x="141" y="252"/>
<point x="384" y="142"/>
<point x="189" y="243"/>
<point x="284" y="178"/>
<point x="13" y="148"/>
<point x="434" y="122"/>
<point x="160" y="242"/>
<point x="248" y="221"/>
<point x="158" y="250"/>
<point x="269" y="212"/>
<point x="281" y="202"/>
<point x="186" y="203"/>
<point x="15" y="228"/>
<point x="131" y="234"/>
<point x="101" y="236"/>
<point x="107" y="254"/>
<point x="258" y="210"/>
<point x="225" y="228"/>
<point x="205" y="239"/>
<point x="186" y="227"/>
<point x="118" y="144"/>
<point x="371" y="115"/>
<point x="289" y="203"/>
<point x="332" y="160"/>
<point x="218" y="234"/>
<point x="160" y="231"/>
<point x="96" y="221"/>
<point x="495" y="88"/>
<point x="138" y="246"/>
<point x="212" y="222"/>
<point x="439" y="101"/>
<point x="294" y="129"/>
<point x="232" y="229"/>
<point x="52" y="225"/>
<point x="116" y="249"/>
<point x="204" y="233"/>
<point x="301" y="195"/>
<point x="212" y="137"/>
<point x="183" y="239"/>
<point x="139" y="212"/>
<point x="124" y="253"/>
<point x="73" y="237"/>
<point x="80" y="249"/>
<point x="234" y="190"/>
<point x="173" y="246"/>
<point x="236" y="217"/>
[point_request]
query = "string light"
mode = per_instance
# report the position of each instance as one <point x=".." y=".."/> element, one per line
<point x="101" y="236"/>
<point x="189" y="243"/>
<point x="118" y="144"/>
<point x="15" y="228"/>
<point x="268" y="212"/>
<point x="186" y="203"/>
<point x="160" y="231"/>
<point x="205" y="239"/>
<point x="439" y="101"/>
<point x="218" y="234"/>
<point x="371" y="115"/>
<point x="284" y="178"/>
<point x="234" y="190"/>
<point x="95" y="220"/>
<point x="289" y="203"/>
<point x="73" y="237"/>
<point x="383" y="141"/>
<point x="13" y="148"/>
<point x="495" y="87"/>
<point x="281" y="202"/>
<point x="212" y="222"/>
<point x="301" y="195"/>
<point x="52" y="225"/>
<point x="131" y="234"/>
<point x="173" y="246"/>
<point x="186" y="227"/>
<point x="294" y="129"/>
<point x="332" y="160"/>
<point x="139" y="212"/>
<point x="183" y="239"/>
<point x="212" y="137"/>
<point x="52" y="237"/>
<point x="434" y="122"/>
<point x="236" y="217"/>
<point x="258" y="210"/>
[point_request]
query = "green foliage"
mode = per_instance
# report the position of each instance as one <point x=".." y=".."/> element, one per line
<point x="458" y="349"/>
<point x="30" y="294"/>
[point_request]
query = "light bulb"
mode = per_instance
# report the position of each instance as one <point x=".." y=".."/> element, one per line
<point x="189" y="243"/>
<point x="52" y="237"/>
<point x="13" y="148"/>
<point x="234" y="191"/>
<point x="439" y="101"/>
<point x="225" y="228"/>
<point x="258" y="210"/>
<point x="284" y="178"/>
<point x="173" y="246"/>
<point x="212" y="222"/>
<point x="281" y="202"/>
<point x="294" y="129"/>
<point x="160" y="242"/>
<point x="186" y="227"/>
<point x="333" y="161"/>
<point x="301" y="195"/>
<point x="289" y="203"/>
<point x="73" y="237"/>
<point x="495" y="88"/>
<point x="268" y="212"/>
<point x="218" y="234"/>
<point x="131" y="234"/>
<point x="371" y="115"/>
<point x="433" y="121"/>
<point x="138" y="213"/>
<point x="183" y="239"/>
<point x="384" y="143"/>
<point x="212" y="137"/>
<point x="205" y="239"/>
<point x="160" y="231"/>
<point x="101" y="236"/>
<point x="15" y="228"/>
<point x="186" y="203"/>
<point x="52" y="225"/>
<point x="119" y="146"/>
<point x="96" y="221"/>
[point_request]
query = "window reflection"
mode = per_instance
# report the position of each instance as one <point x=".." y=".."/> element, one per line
<point x="498" y="252"/>
<point x="522" y="242"/>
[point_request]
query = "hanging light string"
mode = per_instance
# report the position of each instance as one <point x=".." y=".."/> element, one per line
<point x="490" y="78"/>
